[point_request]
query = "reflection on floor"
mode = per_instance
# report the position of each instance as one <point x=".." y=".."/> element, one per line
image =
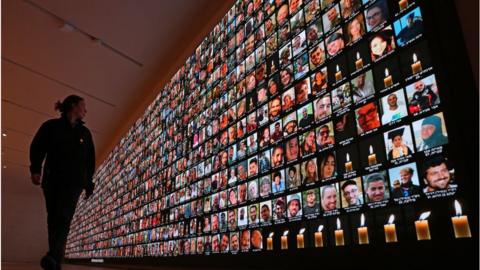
<point x="36" y="266"/>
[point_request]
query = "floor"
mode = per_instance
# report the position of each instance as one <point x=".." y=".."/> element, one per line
<point x="36" y="266"/>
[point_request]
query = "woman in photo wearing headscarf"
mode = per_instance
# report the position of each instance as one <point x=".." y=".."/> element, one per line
<point x="431" y="133"/>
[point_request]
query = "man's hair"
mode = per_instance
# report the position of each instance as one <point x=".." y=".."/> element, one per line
<point x="375" y="177"/>
<point x="66" y="105"/>
<point x="348" y="183"/>
<point x="407" y="170"/>
<point x="434" y="162"/>
<point x="327" y="187"/>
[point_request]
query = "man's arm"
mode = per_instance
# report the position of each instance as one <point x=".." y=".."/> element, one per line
<point x="38" y="149"/>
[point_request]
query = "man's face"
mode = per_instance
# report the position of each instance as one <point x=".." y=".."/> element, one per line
<point x="293" y="207"/>
<point x="376" y="191"/>
<point x="310" y="199"/>
<point x="275" y="107"/>
<point x="234" y="242"/>
<point x="438" y="177"/>
<point x="243" y="191"/>
<point x="330" y="199"/>
<point x="332" y="14"/>
<point x="215" y="243"/>
<point x="215" y="222"/>
<point x="253" y="213"/>
<point x="279" y="211"/>
<point x="316" y="56"/>
<point x="350" y="193"/>
<point x="367" y="117"/>
<point x="224" y="242"/>
<point x="406" y="177"/>
<point x="231" y="218"/>
<point x="277" y="156"/>
<point x="265" y="213"/>
<point x="324" y="106"/>
<point x="324" y="132"/>
<point x="245" y="239"/>
<point x="392" y="100"/>
<point x="374" y="16"/>
<point x="419" y="86"/>
<point x="79" y="110"/>
<point x="253" y="168"/>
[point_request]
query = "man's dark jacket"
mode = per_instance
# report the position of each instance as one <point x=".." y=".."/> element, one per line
<point x="69" y="151"/>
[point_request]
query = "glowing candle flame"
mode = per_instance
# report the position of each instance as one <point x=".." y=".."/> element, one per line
<point x="338" y="69"/>
<point x="424" y="215"/>
<point x="270" y="235"/>
<point x="348" y="157"/>
<point x="320" y="228"/>
<point x="414" y="58"/>
<point x="339" y="225"/>
<point x="391" y="219"/>
<point x="358" y="55"/>
<point x="371" y="150"/>
<point x="362" y="220"/>
<point x="458" y="208"/>
<point x="302" y="230"/>
<point x="285" y="233"/>
<point x="387" y="73"/>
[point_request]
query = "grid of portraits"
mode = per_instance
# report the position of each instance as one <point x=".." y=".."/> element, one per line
<point x="288" y="111"/>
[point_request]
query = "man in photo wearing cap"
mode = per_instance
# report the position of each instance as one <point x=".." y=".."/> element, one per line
<point x="280" y="208"/>
<point x="413" y="28"/>
<point x="294" y="206"/>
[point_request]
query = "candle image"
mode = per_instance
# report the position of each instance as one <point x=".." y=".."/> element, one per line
<point x="372" y="158"/>
<point x="348" y="164"/>
<point x="390" y="230"/>
<point x="460" y="223"/>
<point x="359" y="62"/>
<point x="284" y="240"/>
<point x="417" y="65"/>
<point x="339" y="240"/>
<point x="270" y="241"/>
<point x="422" y="228"/>
<point x="387" y="81"/>
<point x="403" y="4"/>
<point x="319" y="237"/>
<point x="338" y="74"/>
<point x="362" y="232"/>
<point x="300" y="239"/>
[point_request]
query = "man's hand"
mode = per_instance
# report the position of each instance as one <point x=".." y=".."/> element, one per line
<point x="36" y="179"/>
